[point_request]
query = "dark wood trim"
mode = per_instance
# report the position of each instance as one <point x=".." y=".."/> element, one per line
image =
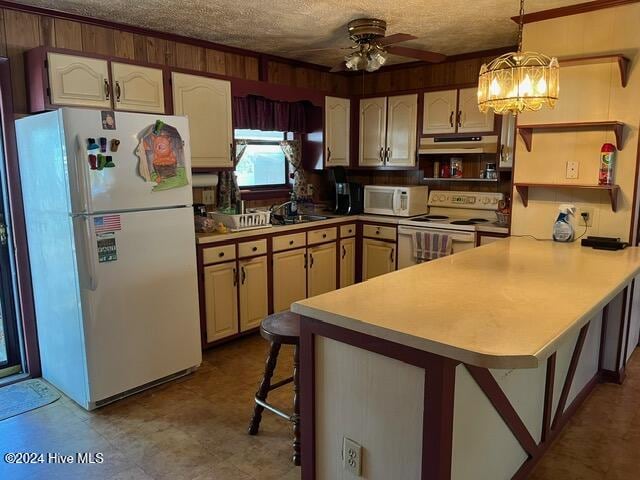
<point x="480" y="234"/>
<point x="548" y="398"/>
<point x="265" y="193"/>
<point x="620" y="364"/>
<point x="572" y="10"/>
<point x="18" y="227"/>
<point x="307" y="399"/>
<point x="526" y="131"/>
<point x="568" y="381"/>
<point x="437" y="419"/>
<point x="628" y="292"/>
<point x="503" y="407"/>
<point x="612" y="190"/>
<point x="603" y="335"/>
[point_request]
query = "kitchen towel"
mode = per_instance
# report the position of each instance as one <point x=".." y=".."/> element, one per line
<point x="429" y="246"/>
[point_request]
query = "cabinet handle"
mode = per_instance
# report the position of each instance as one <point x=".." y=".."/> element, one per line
<point x="324" y="235"/>
<point x="290" y="242"/>
<point x="380" y="154"/>
<point x="244" y="275"/>
<point x="387" y="155"/>
<point x="344" y="252"/>
<point x="118" y="92"/>
<point x="378" y="232"/>
<point x="459" y="118"/>
<point x="305" y="260"/>
<point x="392" y="259"/>
<point x="221" y="254"/>
<point x="254" y="249"/>
<point x="107" y="92"/>
<point x="311" y="260"/>
<point x="328" y="154"/>
<point x="451" y="119"/>
<point x="235" y="277"/>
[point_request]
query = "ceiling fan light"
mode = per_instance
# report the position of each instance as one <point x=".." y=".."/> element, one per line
<point x="353" y="61"/>
<point x="379" y="55"/>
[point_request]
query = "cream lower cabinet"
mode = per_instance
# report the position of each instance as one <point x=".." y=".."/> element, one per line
<point x="289" y="278"/>
<point x="254" y="296"/>
<point x="347" y="262"/>
<point x="207" y="103"/>
<point x="378" y="258"/>
<point x="321" y="270"/>
<point x="137" y="89"/>
<point x="221" y="300"/>
<point x="76" y="80"/>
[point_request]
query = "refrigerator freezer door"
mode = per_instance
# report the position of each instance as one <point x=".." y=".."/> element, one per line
<point x="120" y="188"/>
<point x="140" y="297"/>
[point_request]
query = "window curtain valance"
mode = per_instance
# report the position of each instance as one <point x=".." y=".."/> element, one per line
<point x="259" y="113"/>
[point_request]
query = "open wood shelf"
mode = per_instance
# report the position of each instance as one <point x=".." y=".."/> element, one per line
<point x="526" y="131"/>
<point x="612" y="190"/>
<point x="456" y="179"/>
<point x="622" y="61"/>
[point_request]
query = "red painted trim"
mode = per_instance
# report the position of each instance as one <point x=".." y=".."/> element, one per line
<point x="307" y="399"/>
<point x="502" y="405"/>
<point x="265" y="193"/>
<point x="572" y="10"/>
<point x="23" y="268"/>
<point x="619" y="363"/>
<point x="573" y="365"/>
<point x="548" y="397"/>
<point x="603" y="334"/>
<point x="629" y="292"/>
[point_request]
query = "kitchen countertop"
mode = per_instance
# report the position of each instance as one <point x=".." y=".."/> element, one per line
<point x="332" y="219"/>
<point x="508" y="304"/>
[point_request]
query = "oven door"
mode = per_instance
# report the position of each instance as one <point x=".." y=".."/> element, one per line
<point x="381" y="200"/>
<point x="461" y="241"/>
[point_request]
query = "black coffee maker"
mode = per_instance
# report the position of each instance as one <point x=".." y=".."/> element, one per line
<point x="349" y="195"/>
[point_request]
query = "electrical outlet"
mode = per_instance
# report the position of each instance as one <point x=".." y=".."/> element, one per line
<point x="572" y="170"/>
<point x="589" y="212"/>
<point x="351" y="456"/>
<point x="208" y="197"/>
<point x="309" y="190"/>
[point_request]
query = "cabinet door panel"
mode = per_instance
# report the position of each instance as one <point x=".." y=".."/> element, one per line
<point x="289" y="278"/>
<point x="322" y="269"/>
<point x="440" y="112"/>
<point x="221" y="300"/>
<point x="254" y="305"/>
<point x="78" y="81"/>
<point x="378" y="258"/>
<point x="337" y="120"/>
<point x="347" y="262"/>
<point x="137" y="89"/>
<point x="471" y="118"/>
<point x="207" y="104"/>
<point x="373" y="126"/>
<point x="401" y="130"/>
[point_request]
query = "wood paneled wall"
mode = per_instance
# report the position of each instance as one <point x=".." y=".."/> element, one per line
<point x="22" y="31"/>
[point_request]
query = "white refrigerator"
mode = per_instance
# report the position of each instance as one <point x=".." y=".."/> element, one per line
<point x="112" y="254"/>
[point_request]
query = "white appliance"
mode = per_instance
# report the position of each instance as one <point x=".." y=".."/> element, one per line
<point x="397" y="201"/>
<point x="113" y="263"/>
<point x="453" y="213"/>
<point x="458" y="145"/>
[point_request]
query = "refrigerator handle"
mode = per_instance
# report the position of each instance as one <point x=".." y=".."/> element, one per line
<point x="82" y="177"/>
<point x="89" y="254"/>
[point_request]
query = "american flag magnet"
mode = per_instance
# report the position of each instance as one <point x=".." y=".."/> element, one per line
<point x="106" y="224"/>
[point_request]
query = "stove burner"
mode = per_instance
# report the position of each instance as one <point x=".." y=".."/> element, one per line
<point x="463" y="222"/>
<point x="435" y="217"/>
<point x="478" y="220"/>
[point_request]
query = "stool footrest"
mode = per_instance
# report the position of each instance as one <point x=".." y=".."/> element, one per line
<point x="281" y="383"/>
<point x="273" y="409"/>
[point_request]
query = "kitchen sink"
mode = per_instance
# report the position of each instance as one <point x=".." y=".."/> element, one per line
<point x="295" y="219"/>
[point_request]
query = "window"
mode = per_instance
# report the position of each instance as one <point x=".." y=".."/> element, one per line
<point x="263" y="162"/>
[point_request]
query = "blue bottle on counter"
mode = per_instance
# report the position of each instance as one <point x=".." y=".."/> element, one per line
<point x="563" y="230"/>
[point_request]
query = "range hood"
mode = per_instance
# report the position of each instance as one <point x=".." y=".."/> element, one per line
<point x="458" y="145"/>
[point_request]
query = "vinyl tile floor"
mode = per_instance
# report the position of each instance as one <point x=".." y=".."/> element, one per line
<point x="195" y="428"/>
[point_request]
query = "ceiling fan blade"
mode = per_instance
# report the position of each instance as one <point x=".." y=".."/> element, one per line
<point x="423" y="55"/>
<point x="396" y="38"/>
<point x="341" y="67"/>
<point x="321" y="49"/>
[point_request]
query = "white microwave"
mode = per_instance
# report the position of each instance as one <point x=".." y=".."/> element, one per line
<point x="397" y="201"/>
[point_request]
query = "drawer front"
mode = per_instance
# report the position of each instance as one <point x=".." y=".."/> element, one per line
<point x="223" y="253"/>
<point x="347" y="230"/>
<point x="377" y="231"/>
<point x="285" y="242"/>
<point x="320" y="236"/>
<point x="249" y="249"/>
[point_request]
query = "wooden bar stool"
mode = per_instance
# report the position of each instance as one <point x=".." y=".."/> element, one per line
<point x="280" y="329"/>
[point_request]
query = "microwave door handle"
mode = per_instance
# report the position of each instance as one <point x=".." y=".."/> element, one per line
<point x="396" y="201"/>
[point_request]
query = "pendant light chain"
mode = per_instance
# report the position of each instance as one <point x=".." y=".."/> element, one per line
<point x="521" y="25"/>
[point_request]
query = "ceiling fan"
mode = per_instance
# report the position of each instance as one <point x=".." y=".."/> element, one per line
<point x="371" y="47"/>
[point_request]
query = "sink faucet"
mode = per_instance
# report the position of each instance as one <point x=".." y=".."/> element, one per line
<point x="293" y="206"/>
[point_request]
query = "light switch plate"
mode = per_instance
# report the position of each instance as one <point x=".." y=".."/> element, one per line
<point x="572" y="170"/>
<point x="208" y="197"/>
<point x="352" y="456"/>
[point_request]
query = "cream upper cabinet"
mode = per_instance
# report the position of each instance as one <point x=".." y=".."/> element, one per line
<point x="347" y="262"/>
<point x="470" y="118"/>
<point x="402" y="117"/>
<point x="440" y="110"/>
<point x="337" y="118"/>
<point x="78" y="81"/>
<point x="373" y="125"/>
<point x="221" y="301"/>
<point x="136" y="88"/>
<point x="254" y="297"/>
<point x="207" y="104"/>
<point x="378" y="258"/>
<point x="289" y="278"/>
<point x="321" y="269"/>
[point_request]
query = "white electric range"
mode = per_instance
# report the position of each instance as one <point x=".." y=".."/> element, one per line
<point x="456" y="214"/>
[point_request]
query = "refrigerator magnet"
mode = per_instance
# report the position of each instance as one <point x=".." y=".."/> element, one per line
<point x="107" y="249"/>
<point x="115" y="143"/>
<point x="102" y="161"/>
<point x="161" y="157"/>
<point x="103" y="144"/>
<point x="109" y="163"/>
<point x="91" y="144"/>
<point x="108" y="120"/>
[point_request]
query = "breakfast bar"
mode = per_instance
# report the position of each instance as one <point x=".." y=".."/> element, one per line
<point x="466" y="367"/>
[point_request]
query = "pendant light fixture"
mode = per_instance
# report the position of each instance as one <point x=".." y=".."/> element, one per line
<point x="518" y="81"/>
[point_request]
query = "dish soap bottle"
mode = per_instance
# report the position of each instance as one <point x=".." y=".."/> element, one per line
<point x="563" y="230"/>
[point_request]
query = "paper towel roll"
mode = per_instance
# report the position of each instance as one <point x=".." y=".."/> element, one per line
<point x="204" y="180"/>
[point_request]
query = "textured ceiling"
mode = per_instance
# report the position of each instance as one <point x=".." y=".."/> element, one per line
<point x="281" y="27"/>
